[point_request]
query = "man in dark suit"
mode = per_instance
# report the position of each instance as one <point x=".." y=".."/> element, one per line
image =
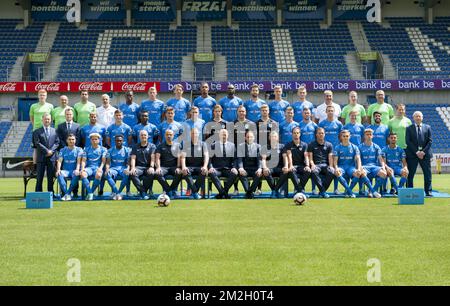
<point x="47" y="142"/>
<point x="418" y="151"/>
<point x="69" y="127"/>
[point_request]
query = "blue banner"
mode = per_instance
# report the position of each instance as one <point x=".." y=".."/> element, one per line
<point x="46" y="10"/>
<point x="350" y="10"/>
<point x="204" y="10"/>
<point x="154" y="10"/>
<point x="246" y="10"/>
<point x="304" y="9"/>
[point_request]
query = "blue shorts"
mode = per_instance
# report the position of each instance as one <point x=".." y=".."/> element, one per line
<point x="372" y="171"/>
<point x="117" y="173"/>
<point x="91" y="171"/>
<point x="68" y="174"/>
<point x="397" y="171"/>
<point x="348" y="171"/>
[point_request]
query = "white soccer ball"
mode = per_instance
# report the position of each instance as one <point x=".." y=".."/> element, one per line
<point x="300" y="199"/>
<point x="163" y="200"/>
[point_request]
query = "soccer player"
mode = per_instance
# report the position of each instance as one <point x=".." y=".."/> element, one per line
<point x="265" y="126"/>
<point x="353" y="106"/>
<point x="396" y="165"/>
<point x="154" y="107"/>
<point x="356" y="129"/>
<point x="230" y="104"/>
<point x="287" y="126"/>
<point x="119" y="128"/>
<point x="301" y="105"/>
<point x="170" y="124"/>
<point x="194" y="160"/>
<point x="92" y="163"/>
<point x="205" y="103"/>
<point x="278" y="105"/>
<point x="380" y="131"/>
<point x="59" y="113"/>
<point x="166" y="163"/>
<point x="222" y="164"/>
<point x="142" y="166"/>
<point x="307" y="126"/>
<point x="68" y="166"/>
<point x="130" y="110"/>
<point x="253" y="106"/>
<point x="106" y="112"/>
<point x="83" y="109"/>
<point x="248" y="164"/>
<point x="373" y="164"/>
<point x="117" y="167"/>
<point x="321" y="111"/>
<point x="386" y="110"/>
<point x="180" y="105"/>
<point x="151" y="129"/>
<point x="398" y="125"/>
<point x="195" y="122"/>
<point x="91" y="128"/>
<point x="212" y="128"/>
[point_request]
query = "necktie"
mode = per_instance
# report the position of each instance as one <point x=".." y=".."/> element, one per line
<point x="68" y="126"/>
<point x="419" y="136"/>
<point x="46" y="132"/>
<point x="224" y="150"/>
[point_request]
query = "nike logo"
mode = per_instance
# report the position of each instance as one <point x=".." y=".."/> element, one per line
<point x="12" y="166"/>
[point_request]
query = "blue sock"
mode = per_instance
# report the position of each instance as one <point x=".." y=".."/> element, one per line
<point x="85" y="182"/>
<point x="112" y="184"/>
<point x="393" y="182"/>
<point x="402" y="182"/>
<point x="342" y="180"/>
<point x="336" y="182"/>
<point x="62" y="184"/>
<point x="379" y="181"/>
<point x="95" y="185"/>
<point x="125" y="183"/>
<point x="355" y="181"/>
<point x="361" y="186"/>
<point x="73" y="184"/>
<point x="367" y="182"/>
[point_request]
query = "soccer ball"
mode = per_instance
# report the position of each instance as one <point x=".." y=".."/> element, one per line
<point x="300" y="199"/>
<point x="163" y="200"/>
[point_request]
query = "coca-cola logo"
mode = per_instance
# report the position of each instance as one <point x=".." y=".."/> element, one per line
<point x="134" y="87"/>
<point x="91" y="86"/>
<point x="48" y="86"/>
<point x="8" y="87"/>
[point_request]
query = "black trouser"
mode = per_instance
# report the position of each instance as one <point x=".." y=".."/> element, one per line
<point x="299" y="178"/>
<point x="425" y="164"/>
<point x="322" y="169"/>
<point x="251" y="172"/>
<point x="142" y="175"/>
<point x="194" y="187"/>
<point x="48" y="165"/>
<point x="222" y="172"/>
<point x="162" y="178"/>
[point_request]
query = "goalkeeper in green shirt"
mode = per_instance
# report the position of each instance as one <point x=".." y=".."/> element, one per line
<point x="399" y="124"/>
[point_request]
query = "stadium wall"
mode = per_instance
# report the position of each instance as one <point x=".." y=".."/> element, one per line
<point x="10" y="10"/>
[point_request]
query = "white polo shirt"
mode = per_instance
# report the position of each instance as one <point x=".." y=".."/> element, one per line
<point x="321" y="111"/>
<point x="105" y="116"/>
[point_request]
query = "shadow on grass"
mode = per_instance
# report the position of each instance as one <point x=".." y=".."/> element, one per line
<point x="11" y="198"/>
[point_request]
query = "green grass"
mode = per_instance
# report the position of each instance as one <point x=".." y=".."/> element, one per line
<point x="235" y="242"/>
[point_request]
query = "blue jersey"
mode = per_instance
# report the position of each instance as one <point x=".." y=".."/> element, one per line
<point x="94" y="156"/>
<point x="394" y="157"/>
<point x="155" y="110"/>
<point x="122" y="129"/>
<point x="308" y="131"/>
<point x="70" y="158"/>
<point x="90" y="129"/>
<point x="254" y="109"/>
<point x="176" y="127"/>
<point x="380" y="134"/>
<point x="346" y="155"/>
<point x="205" y="107"/>
<point x="356" y="133"/>
<point x="118" y="158"/>
<point x="299" y="107"/>
<point x="181" y="108"/>
<point x="230" y="107"/>
<point x="286" y="131"/>
<point x="332" y="130"/>
<point x="199" y="125"/>
<point x="151" y="129"/>
<point x="277" y="109"/>
<point x="130" y="113"/>
<point x="369" y="154"/>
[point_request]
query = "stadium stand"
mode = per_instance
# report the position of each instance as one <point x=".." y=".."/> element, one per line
<point x="25" y="149"/>
<point x="4" y="129"/>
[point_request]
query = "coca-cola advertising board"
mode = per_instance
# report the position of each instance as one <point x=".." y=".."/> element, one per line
<point x="48" y="86"/>
<point x="11" y="87"/>
<point x="135" y="86"/>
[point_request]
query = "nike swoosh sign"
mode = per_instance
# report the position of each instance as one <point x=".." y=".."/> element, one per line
<point x="12" y="166"/>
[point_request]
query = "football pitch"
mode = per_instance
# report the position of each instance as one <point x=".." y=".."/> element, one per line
<point x="225" y="242"/>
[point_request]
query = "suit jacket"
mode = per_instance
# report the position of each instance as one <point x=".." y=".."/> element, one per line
<point x="62" y="133"/>
<point x="44" y="144"/>
<point x="218" y="160"/>
<point x="412" y="141"/>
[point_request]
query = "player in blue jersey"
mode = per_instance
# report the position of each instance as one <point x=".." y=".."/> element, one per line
<point x="152" y="130"/>
<point x="154" y="107"/>
<point x="180" y="105"/>
<point x="253" y="106"/>
<point x="170" y="124"/>
<point x="68" y="167"/>
<point x="117" y="167"/>
<point x="205" y="103"/>
<point x="307" y="126"/>
<point x="395" y="161"/>
<point x="119" y="128"/>
<point x="356" y="129"/>
<point x="380" y="131"/>
<point x="194" y="122"/>
<point x="301" y="104"/>
<point x="130" y="110"/>
<point x="287" y="126"/>
<point x="92" y="162"/>
<point x="347" y="162"/>
<point x="91" y="128"/>
<point x="230" y="104"/>
<point x="373" y="164"/>
<point x="278" y="105"/>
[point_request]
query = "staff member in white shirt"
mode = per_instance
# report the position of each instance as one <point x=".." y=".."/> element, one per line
<point x="105" y="113"/>
<point x="321" y="111"/>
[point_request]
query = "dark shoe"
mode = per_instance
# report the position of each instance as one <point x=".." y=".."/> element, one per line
<point x="429" y="194"/>
<point x="249" y="195"/>
<point x="219" y="196"/>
